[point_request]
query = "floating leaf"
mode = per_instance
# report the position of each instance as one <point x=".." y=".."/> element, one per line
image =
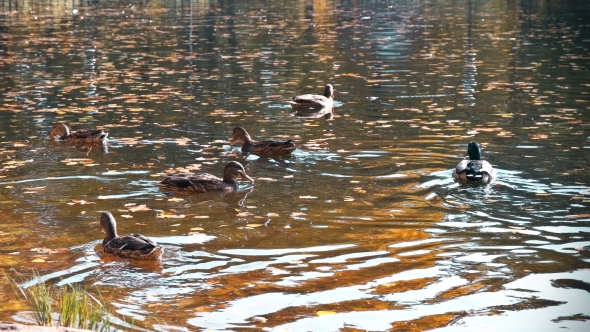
<point x="266" y="179"/>
<point x="578" y="216"/>
<point x="517" y="227"/>
<point x="175" y="199"/>
<point x="272" y="214"/>
<point x="38" y="260"/>
<point x="126" y="216"/>
<point x="197" y="229"/>
<point x="164" y="214"/>
<point x="170" y="216"/>
<point x="81" y="202"/>
<point x="49" y="251"/>
<point x="324" y="313"/>
<point x="254" y="225"/>
<point x="138" y="208"/>
<point x="35" y="188"/>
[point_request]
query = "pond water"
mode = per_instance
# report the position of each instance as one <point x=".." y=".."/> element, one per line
<point x="362" y="228"/>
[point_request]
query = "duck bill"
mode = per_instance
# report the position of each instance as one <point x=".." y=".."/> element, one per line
<point x="101" y="229"/>
<point x="232" y="141"/>
<point x="247" y="177"/>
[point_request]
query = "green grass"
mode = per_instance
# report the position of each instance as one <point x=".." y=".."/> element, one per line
<point x="74" y="307"/>
<point x="82" y="310"/>
<point x="41" y="298"/>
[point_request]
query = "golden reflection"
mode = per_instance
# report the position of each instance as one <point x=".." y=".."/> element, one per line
<point x="403" y="286"/>
<point x="426" y="323"/>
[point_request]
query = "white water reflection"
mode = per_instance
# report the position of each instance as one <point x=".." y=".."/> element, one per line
<point x="477" y="306"/>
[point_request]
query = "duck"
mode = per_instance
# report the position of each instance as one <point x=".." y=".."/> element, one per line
<point x="203" y="182"/>
<point x="134" y="246"/>
<point x="61" y="132"/>
<point x="315" y="101"/>
<point x="268" y="147"/>
<point x="474" y="170"/>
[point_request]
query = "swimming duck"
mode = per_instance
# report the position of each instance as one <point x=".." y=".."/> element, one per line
<point x="315" y="101"/>
<point x="62" y="132"/>
<point x="474" y="170"/>
<point x="135" y="246"/>
<point x="282" y="146"/>
<point x="203" y="182"/>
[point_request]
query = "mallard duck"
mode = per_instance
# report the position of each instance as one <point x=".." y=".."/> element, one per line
<point x="203" y="182"/>
<point x="279" y="146"/>
<point x="135" y="246"/>
<point x="315" y="101"/>
<point x="61" y="132"/>
<point x="474" y="170"/>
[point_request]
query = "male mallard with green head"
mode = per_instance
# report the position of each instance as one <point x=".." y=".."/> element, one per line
<point x="315" y="101"/>
<point x="204" y="182"/>
<point x="91" y="136"/>
<point x="268" y="147"/>
<point x="134" y="246"/>
<point x="474" y="170"/>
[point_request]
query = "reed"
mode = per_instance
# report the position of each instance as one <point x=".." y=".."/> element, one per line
<point x="82" y="310"/>
<point x="41" y="298"/>
<point x="76" y="307"/>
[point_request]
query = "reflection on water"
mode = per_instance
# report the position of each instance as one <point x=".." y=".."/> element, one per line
<point x="363" y="226"/>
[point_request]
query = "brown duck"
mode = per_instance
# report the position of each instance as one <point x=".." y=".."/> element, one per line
<point x="134" y="246"/>
<point x="91" y="136"/>
<point x="204" y="183"/>
<point x="474" y="170"/>
<point x="315" y="101"/>
<point x="269" y="147"/>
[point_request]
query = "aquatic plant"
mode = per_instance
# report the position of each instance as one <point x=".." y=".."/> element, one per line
<point x="75" y="307"/>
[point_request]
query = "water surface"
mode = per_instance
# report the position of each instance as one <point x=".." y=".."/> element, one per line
<point x="362" y="227"/>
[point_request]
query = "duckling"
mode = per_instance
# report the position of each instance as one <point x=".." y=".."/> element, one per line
<point x="315" y="101"/>
<point x="91" y="136"/>
<point x="282" y="146"/>
<point x="203" y="182"/>
<point x="474" y="170"/>
<point x="135" y="246"/>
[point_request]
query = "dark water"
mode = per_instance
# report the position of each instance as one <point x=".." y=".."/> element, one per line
<point x="363" y="227"/>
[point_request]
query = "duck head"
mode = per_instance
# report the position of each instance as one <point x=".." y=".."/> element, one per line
<point x="329" y="91"/>
<point x="60" y="131"/>
<point x="233" y="170"/>
<point x="474" y="151"/>
<point x="108" y="225"/>
<point x="240" y="135"/>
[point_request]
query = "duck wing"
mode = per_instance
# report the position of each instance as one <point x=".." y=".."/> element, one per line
<point x="461" y="166"/>
<point x="132" y="242"/>
<point x="95" y="134"/>
<point x="311" y="100"/>
<point x="198" y="183"/>
<point x="279" y="146"/>
<point x="279" y="143"/>
<point x="475" y="171"/>
<point x="177" y="180"/>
